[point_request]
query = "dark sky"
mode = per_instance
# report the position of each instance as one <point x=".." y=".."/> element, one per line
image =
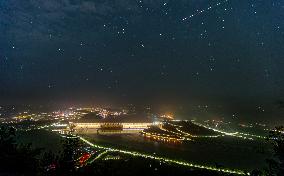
<point x="177" y="53"/>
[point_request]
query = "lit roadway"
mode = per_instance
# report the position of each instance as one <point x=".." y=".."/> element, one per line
<point x="188" y="164"/>
<point x="211" y="168"/>
<point x="235" y="134"/>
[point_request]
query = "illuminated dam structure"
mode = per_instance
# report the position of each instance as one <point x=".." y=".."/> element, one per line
<point x="136" y="126"/>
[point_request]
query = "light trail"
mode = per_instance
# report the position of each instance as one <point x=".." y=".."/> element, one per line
<point x="198" y="12"/>
<point x="99" y="156"/>
<point x="198" y="136"/>
<point x="179" y="134"/>
<point x="253" y="135"/>
<point x="137" y="154"/>
<point x="235" y="134"/>
<point x="177" y="127"/>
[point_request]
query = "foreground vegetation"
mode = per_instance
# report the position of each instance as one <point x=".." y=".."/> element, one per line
<point x="26" y="159"/>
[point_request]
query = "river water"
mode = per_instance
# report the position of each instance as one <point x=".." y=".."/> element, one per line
<point x="229" y="152"/>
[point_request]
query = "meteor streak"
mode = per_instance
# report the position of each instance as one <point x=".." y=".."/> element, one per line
<point x="204" y="10"/>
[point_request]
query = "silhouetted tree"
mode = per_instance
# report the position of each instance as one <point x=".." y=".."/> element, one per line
<point x="69" y="155"/>
<point x="257" y="172"/>
<point x="49" y="163"/>
<point x="276" y="136"/>
<point x="17" y="159"/>
<point x="275" y="166"/>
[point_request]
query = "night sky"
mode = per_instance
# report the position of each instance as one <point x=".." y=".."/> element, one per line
<point x="172" y="53"/>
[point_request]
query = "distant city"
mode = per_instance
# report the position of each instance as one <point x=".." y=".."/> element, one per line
<point x="116" y="134"/>
<point x="141" y="87"/>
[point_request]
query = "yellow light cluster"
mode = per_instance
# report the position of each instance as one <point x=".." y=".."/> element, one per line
<point x="235" y="134"/>
<point x="167" y="116"/>
<point x="161" y="137"/>
<point x="112" y="158"/>
<point x="177" y="127"/>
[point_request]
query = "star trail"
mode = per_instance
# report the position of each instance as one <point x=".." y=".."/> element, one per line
<point x="197" y="57"/>
<point x="198" y="12"/>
